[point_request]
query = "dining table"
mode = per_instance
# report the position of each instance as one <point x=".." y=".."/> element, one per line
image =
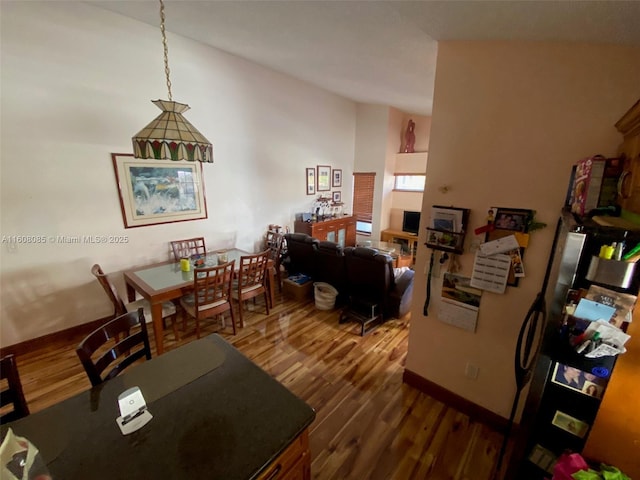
<point x="215" y="414"/>
<point x="166" y="281"/>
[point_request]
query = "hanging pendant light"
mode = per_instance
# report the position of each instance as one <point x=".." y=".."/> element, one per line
<point x="170" y="136"/>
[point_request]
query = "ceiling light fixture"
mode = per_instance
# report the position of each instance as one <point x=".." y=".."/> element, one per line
<point x="170" y="136"/>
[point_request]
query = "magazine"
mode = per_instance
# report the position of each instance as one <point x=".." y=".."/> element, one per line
<point x="622" y="302"/>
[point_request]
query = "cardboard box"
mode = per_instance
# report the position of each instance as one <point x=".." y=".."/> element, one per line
<point x="300" y="293"/>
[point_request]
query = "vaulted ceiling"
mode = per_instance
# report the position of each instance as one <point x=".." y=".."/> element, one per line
<point x="380" y="52"/>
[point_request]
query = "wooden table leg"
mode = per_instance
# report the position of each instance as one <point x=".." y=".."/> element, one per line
<point x="131" y="293"/>
<point x="158" y="329"/>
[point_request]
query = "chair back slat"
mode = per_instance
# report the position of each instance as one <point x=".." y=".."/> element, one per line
<point x="213" y="284"/>
<point x="110" y="289"/>
<point x="211" y="294"/>
<point x="13" y="393"/>
<point x="188" y="247"/>
<point x="127" y="347"/>
<point x="253" y="269"/>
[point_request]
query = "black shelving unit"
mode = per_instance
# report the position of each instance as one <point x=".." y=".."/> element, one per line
<point x="539" y="441"/>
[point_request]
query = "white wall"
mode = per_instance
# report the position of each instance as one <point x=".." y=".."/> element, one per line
<point x="406" y="163"/>
<point x="509" y="120"/>
<point x="370" y="153"/>
<point x="76" y="85"/>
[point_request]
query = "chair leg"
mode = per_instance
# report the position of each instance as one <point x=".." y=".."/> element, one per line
<point x="197" y="327"/>
<point x="240" y="312"/>
<point x="174" y="323"/>
<point x="184" y="320"/>
<point x="266" y="300"/>
<point x="233" y="320"/>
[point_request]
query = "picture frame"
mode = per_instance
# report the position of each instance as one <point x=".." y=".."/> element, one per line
<point x="446" y="230"/>
<point x="512" y="219"/>
<point x="570" y="424"/>
<point x="336" y="178"/>
<point x="444" y="240"/>
<point x="507" y="221"/>
<point x="153" y="192"/>
<point x="337" y="197"/>
<point x="311" y="181"/>
<point x="323" y="178"/>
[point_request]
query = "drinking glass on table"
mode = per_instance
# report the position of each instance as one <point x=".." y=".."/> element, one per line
<point x="211" y="259"/>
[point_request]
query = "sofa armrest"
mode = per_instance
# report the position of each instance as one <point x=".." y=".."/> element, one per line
<point x="404" y="280"/>
<point x="400" y="297"/>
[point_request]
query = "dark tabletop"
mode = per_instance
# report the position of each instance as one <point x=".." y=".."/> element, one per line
<point x="216" y="415"/>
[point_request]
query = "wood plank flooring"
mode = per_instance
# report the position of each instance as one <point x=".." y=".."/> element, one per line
<point x="369" y="424"/>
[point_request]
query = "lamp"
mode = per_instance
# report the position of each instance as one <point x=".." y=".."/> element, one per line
<point x="170" y="136"/>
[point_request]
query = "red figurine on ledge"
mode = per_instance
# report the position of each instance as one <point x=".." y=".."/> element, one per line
<point x="409" y="138"/>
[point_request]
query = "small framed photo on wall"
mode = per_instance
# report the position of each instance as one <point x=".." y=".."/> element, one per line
<point x="311" y="181"/>
<point x="336" y="178"/>
<point x="337" y="197"/>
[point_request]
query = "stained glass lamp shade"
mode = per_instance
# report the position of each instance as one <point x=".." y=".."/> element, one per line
<point x="170" y="136"/>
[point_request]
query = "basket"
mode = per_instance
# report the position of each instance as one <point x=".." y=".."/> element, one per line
<point x="325" y="295"/>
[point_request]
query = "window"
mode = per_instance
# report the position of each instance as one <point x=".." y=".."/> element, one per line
<point x="409" y="182"/>
<point x="363" y="185"/>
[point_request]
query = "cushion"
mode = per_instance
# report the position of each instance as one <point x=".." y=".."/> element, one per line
<point x="168" y="309"/>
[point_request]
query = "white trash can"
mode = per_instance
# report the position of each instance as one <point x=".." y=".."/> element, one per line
<point x="325" y="295"/>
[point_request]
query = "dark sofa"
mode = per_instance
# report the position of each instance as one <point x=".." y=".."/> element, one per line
<point x="356" y="272"/>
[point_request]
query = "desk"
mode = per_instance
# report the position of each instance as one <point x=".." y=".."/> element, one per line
<point x="165" y="281"/>
<point x="216" y="415"/>
<point x="403" y="238"/>
<point x="394" y="250"/>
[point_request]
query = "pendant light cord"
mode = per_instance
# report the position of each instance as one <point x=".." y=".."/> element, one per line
<point x="166" y="49"/>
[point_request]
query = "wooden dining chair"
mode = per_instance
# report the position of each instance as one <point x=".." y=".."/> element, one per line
<point x="274" y="243"/>
<point x="114" y="346"/>
<point x="188" y="247"/>
<point x="251" y="280"/>
<point x="12" y="393"/>
<point x="211" y="294"/>
<point x="120" y="308"/>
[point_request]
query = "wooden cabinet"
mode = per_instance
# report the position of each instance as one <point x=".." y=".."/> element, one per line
<point x="292" y="464"/>
<point x="341" y="230"/>
<point x="629" y="187"/>
<point x="409" y="241"/>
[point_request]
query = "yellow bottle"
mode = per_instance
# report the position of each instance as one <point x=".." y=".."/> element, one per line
<point x="185" y="264"/>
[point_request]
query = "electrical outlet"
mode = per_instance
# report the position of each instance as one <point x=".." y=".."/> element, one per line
<point x="471" y="371"/>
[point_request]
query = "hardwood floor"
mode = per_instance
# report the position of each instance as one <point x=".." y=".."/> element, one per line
<point x="369" y="424"/>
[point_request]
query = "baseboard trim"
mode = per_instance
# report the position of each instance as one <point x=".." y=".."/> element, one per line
<point x="40" y="342"/>
<point x="474" y="411"/>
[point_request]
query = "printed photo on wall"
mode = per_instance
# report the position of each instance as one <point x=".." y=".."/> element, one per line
<point x="458" y="289"/>
<point x="575" y="379"/>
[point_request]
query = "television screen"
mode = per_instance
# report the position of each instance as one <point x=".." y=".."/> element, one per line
<point x="411" y="222"/>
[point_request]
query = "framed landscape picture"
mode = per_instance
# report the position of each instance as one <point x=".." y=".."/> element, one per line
<point x="158" y="191"/>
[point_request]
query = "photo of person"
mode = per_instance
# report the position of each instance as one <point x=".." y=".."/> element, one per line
<point x="569" y="376"/>
<point x="509" y="220"/>
<point x="585" y="383"/>
<point x="592" y="389"/>
<point x="570" y="424"/>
